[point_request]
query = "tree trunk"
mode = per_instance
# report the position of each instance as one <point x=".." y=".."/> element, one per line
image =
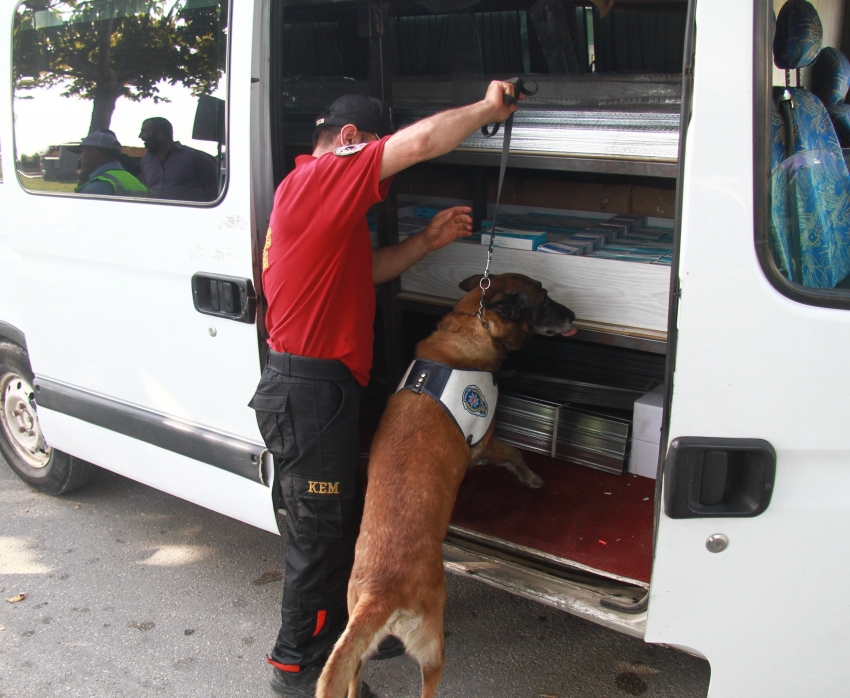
<point x="104" y="106"/>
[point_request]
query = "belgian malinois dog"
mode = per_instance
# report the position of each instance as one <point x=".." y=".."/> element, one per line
<point x="418" y="459"/>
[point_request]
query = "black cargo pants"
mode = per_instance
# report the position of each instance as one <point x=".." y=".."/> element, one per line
<point x="310" y="425"/>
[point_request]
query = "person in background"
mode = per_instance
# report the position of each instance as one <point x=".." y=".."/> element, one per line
<point x="128" y="163"/>
<point x="100" y="169"/>
<point x="175" y="171"/>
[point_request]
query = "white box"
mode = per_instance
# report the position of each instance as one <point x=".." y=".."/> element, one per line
<point x="646" y="424"/>
<point x="643" y="459"/>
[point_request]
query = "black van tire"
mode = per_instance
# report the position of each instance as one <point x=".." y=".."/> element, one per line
<point x="43" y="468"/>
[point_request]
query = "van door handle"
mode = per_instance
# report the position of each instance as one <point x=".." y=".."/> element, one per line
<point x="710" y="477"/>
<point x="229" y="297"/>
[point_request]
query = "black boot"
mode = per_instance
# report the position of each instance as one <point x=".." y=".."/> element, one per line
<point x="302" y="684"/>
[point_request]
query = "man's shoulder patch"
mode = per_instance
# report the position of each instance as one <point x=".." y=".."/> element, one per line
<point x="344" y="150"/>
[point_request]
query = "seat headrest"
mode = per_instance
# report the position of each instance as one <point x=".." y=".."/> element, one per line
<point x="798" y="36"/>
<point x="831" y="76"/>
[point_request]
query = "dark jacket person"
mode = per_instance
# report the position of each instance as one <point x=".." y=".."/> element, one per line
<point x="175" y="171"/>
<point x="100" y="169"/>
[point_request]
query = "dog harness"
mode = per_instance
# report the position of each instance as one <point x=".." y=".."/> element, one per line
<point x="469" y="397"/>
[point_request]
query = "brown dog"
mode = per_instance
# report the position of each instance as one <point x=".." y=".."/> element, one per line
<point x="418" y="459"/>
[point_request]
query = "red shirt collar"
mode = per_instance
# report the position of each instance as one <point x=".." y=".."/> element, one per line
<point x="303" y="160"/>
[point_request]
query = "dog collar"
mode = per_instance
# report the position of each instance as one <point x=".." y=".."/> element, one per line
<point x="469" y="397"/>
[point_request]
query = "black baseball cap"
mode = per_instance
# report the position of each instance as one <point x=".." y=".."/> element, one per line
<point x="366" y="113"/>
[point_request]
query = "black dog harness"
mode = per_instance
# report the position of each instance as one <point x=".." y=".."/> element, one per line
<point x="469" y="397"/>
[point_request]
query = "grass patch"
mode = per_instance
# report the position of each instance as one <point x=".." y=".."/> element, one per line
<point x="38" y="184"/>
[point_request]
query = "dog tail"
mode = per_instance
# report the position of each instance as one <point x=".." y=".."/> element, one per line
<point x="367" y="619"/>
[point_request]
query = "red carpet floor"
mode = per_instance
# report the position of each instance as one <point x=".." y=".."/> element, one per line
<point x="583" y="515"/>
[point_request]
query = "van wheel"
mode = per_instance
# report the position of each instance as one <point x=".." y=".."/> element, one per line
<point x="22" y="444"/>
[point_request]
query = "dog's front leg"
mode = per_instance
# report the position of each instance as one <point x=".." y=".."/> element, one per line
<point x="508" y="457"/>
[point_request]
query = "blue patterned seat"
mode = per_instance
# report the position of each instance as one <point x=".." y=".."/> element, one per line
<point x="830" y="82"/>
<point x="810" y="184"/>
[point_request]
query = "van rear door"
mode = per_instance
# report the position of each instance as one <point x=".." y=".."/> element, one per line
<point x="141" y="322"/>
<point x="750" y="563"/>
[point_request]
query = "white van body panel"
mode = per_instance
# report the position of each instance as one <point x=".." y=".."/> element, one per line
<point x="770" y="613"/>
<point x="109" y="284"/>
<point x="11" y="265"/>
<point x="170" y="472"/>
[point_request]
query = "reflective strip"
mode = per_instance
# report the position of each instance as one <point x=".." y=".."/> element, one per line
<point x="123" y="183"/>
<point x="291" y="668"/>
<point x="320" y="621"/>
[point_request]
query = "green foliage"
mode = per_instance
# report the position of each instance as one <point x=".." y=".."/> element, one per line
<point x="101" y="50"/>
<point x="30" y="162"/>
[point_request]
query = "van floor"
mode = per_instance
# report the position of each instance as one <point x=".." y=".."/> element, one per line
<point x="585" y="516"/>
<point x="581" y="515"/>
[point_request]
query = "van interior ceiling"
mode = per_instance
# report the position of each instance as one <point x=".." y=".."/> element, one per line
<point x="593" y="168"/>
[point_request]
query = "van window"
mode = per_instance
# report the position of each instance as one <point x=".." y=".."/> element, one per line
<point x="117" y="98"/>
<point x="808" y="188"/>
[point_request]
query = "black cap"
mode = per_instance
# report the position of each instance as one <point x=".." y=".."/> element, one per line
<point x="366" y="113"/>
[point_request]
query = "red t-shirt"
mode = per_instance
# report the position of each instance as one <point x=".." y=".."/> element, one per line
<point x="317" y="261"/>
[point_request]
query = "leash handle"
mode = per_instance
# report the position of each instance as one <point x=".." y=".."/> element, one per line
<point x="521" y="87"/>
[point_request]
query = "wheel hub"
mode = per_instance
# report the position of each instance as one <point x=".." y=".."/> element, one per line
<point x="19" y="420"/>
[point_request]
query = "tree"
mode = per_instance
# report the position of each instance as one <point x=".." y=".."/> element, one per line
<point x="101" y="50"/>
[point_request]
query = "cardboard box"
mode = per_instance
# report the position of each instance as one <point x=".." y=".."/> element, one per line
<point x="646" y="422"/>
<point x="643" y="458"/>
<point x="516" y="239"/>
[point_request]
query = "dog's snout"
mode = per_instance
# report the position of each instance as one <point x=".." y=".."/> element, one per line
<point x="554" y="319"/>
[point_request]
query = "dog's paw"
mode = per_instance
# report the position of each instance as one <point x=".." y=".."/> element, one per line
<point x="531" y="479"/>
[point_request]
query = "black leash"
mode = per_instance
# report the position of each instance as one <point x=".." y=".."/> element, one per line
<point x="520" y="87"/>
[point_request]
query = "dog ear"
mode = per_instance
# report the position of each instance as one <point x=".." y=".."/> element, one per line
<point x="510" y="306"/>
<point x="471" y="282"/>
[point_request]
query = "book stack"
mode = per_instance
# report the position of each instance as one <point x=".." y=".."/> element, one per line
<point x="621" y="237"/>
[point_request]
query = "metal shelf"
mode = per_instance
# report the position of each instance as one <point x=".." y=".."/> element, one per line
<point x="563" y="163"/>
<point x="596" y="333"/>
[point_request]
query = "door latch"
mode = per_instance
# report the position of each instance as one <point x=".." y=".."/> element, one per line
<point x="711" y="477"/>
<point x="229" y="297"/>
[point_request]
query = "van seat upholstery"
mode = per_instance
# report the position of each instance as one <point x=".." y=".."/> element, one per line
<point x="810" y="184"/>
<point x="830" y="82"/>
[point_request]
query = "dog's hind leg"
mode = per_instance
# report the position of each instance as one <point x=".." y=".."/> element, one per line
<point x="431" y="676"/>
<point x="354" y="689"/>
<point x="426" y="642"/>
<point x="429" y="651"/>
<point x="508" y="457"/>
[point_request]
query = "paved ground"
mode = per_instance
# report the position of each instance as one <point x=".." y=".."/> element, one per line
<point x="133" y="593"/>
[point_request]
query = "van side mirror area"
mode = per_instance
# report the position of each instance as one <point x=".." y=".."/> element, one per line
<point x="707" y="477"/>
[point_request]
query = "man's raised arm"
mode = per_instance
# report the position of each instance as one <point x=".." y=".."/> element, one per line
<point x="443" y="132"/>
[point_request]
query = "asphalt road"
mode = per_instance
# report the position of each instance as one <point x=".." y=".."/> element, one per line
<point x="131" y="592"/>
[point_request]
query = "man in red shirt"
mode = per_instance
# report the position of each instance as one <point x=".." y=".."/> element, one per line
<point x="319" y="274"/>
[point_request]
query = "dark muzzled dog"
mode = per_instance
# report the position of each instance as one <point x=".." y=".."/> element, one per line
<point x="418" y="459"/>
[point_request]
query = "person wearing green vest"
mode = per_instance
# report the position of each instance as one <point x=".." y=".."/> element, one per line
<point x="100" y="170"/>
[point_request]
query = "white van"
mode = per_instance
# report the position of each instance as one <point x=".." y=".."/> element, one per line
<point x="131" y="327"/>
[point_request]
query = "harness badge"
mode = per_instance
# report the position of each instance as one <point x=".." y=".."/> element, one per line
<point x="344" y="150"/>
<point x="473" y="401"/>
